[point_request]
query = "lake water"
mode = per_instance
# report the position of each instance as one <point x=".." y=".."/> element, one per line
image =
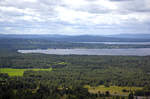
<point x="125" y="52"/>
<point x="130" y="43"/>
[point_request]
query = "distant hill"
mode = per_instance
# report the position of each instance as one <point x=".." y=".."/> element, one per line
<point x="138" y="36"/>
<point x="84" y="38"/>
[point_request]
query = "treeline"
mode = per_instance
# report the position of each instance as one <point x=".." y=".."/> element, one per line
<point x="14" y="44"/>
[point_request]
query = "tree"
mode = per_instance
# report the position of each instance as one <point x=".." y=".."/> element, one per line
<point x="131" y="96"/>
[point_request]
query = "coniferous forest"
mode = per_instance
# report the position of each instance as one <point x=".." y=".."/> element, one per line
<point x="70" y="76"/>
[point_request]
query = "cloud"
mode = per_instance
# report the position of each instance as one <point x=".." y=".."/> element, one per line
<point x="74" y="16"/>
<point x="120" y="0"/>
<point x="136" y="6"/>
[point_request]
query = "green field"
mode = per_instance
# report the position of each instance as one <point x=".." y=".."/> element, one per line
<point x="113" y="90"/>
<point x="19" y="72"/>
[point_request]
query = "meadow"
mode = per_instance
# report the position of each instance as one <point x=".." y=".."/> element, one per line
<point x="20" y="72"/>
<point x="113" y="90"/>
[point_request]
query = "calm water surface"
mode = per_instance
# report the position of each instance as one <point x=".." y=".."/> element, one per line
<point x="126" y="52"/>
<point x="129" y="43"/>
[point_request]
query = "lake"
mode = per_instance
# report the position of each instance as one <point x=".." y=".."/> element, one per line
<point x="118" y="43"/>
<point x="125" y="52"/>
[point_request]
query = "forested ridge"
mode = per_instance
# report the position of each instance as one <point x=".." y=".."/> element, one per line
<point x="14" y="44"/>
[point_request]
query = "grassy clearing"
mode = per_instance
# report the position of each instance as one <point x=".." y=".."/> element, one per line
<point x="114" y="90"/>
<point x="19" y="72"/>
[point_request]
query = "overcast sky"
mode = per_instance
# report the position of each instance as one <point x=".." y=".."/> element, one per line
<point x="74" y="17"/>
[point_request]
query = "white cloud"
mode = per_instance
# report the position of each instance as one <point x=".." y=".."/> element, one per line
<point x="33" y="1"/>
<point x="8" y="28"/>
<point x="75" y="16"/>
<point x="72" y="16"/>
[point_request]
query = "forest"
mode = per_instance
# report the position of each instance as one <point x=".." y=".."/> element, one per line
<point x="71" y="73"/>
<point x="70" y="76"/>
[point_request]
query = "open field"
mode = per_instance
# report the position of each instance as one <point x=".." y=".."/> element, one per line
<point x="19" y="72"/>
<point x="113" y="90"/>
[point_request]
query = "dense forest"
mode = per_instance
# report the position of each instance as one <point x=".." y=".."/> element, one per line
<point x="92" y="70"/>
<point x="70" y="73"/>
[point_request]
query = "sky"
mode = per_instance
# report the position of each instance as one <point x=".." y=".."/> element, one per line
<point x="75" y="17"/>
